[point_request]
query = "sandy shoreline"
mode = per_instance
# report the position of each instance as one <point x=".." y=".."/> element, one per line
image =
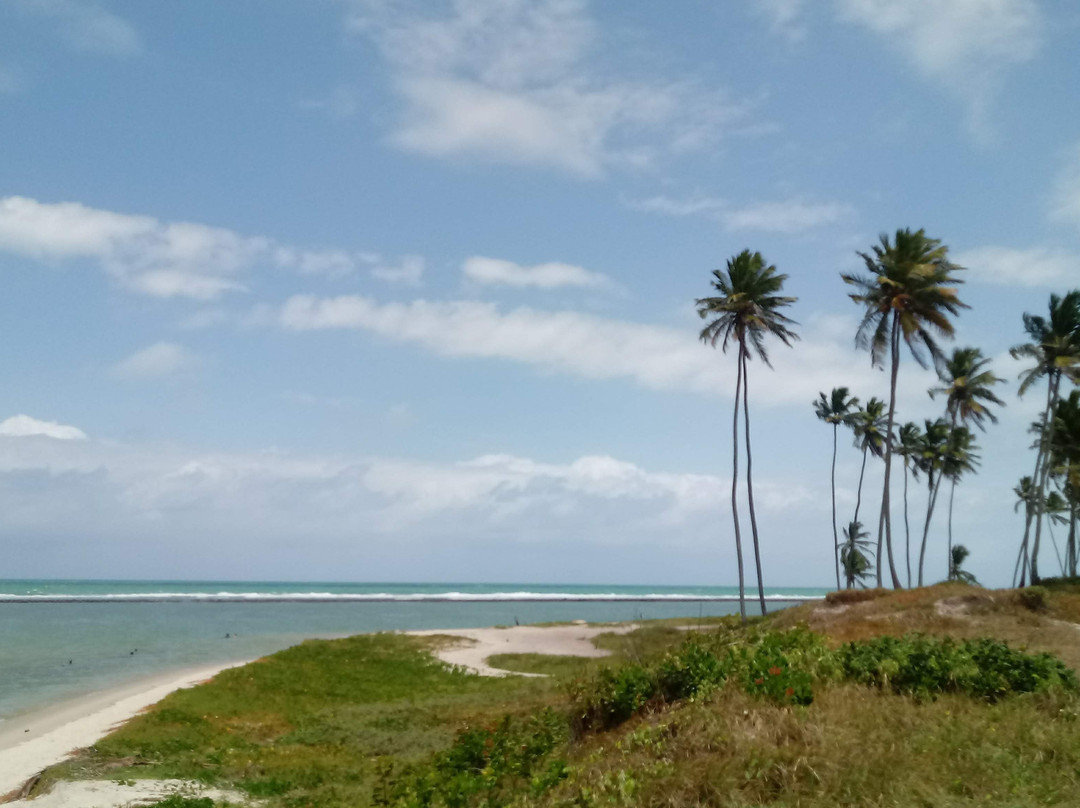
<point x="41" y="738"/>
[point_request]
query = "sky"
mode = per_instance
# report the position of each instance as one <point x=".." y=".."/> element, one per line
<point x="379" y="290"/>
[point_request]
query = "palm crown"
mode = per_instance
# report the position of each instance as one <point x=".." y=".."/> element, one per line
<point x="913" y="279"/>
<point x="1055" y="341"/>
<point x="748" y="305"/>
<point x="967" y="387"/>
<point x="836" y="407"/>
<point x="868" y="424"/>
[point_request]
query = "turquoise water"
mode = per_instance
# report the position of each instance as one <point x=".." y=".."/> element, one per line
<point x="60" y="639"/>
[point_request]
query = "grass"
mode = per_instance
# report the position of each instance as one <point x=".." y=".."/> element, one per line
<point x="374" y="720"/>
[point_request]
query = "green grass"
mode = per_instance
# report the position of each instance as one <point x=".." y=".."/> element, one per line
<point x="374" y="720"/>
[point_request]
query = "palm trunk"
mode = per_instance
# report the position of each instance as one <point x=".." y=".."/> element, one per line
<point x="1070" y="548"/>
<point x="862" y="473"/>
<point x="885" y="521"/>
<point x="952" y="494"/>
<point x="750" y="483"/>
<point x="1040" y="507"/>
<point x="735" y="487"/>
<point x="1032" y="504"/>
<point x="907" y="528"/>
<point x="931" y="500"/>
<point x="1057" y="550"/>
<point x="835" y="535"/>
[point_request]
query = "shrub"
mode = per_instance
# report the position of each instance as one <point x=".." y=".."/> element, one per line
<point x="691" y="671"/>
<point x="611" y="696"/>
<point x="1033" y="598"/>
<point x="926" y="666"/>
<point x="841" y="596"/>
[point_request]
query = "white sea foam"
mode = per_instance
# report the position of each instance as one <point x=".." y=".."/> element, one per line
<point x="386" y="597"/>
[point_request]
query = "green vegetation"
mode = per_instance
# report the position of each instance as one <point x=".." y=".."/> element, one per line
<point x="773" y="713"/>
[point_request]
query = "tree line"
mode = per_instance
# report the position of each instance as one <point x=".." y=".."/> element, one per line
<point x="909" y="296"/>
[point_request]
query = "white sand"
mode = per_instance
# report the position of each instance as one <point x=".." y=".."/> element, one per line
<point x="32" y="742"/>
<point x="113" y="793"/>
<point x="571" y="640"/>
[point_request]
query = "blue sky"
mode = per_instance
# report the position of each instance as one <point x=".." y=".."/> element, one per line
<point x="380" y="290"/>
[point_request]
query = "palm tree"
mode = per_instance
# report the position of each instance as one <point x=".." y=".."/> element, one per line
<point x="958" y="459"/>
<point x="1055" y="350"/>
<point x="868" y="424"/>
<point x="909" y="293"/>
<point x="957" y="556"/>
<point x="1057" y="511"/>
<point x="929" y="459"/>
<point x="1066" y="462"/>
<point x="835" y="409"/>
<point x="966" y="385"/>
<point x="854" y="554"/>
<point x="909" y="438"/>
<point x="746" y="310"/>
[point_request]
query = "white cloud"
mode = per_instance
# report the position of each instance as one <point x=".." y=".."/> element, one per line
<point x="963" y="44"/>
<point x="784" y="17"/>
<point x="156" y="361"/>
<point x="787" y="216"/>
<point x="584" y="345"/>
<point x="147" y="256"/>
<point x="23" y="426"/>
<point x="86" y="26"/>
<point x="408" y="271"/>
<point x="508" y="81"/>
<point x="1035" y="266"/>
<point x="1065" y="205"/>
<point x="551" y="275"/>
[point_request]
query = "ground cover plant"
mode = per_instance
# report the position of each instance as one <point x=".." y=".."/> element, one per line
<point x="771" y="714"/>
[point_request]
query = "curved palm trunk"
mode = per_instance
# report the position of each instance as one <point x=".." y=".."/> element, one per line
<point x="862" y="473"/>
<point x="1040" y="506"/>
<point x="1070" y="547"/>
<point x="907" y="528"/>
<point x="835" y="535"/>
<point x="735" y="488"/>
<point x="1057" y="550"/>
<point x="885" y="520"/>
<point x="952" y="494"/>
<point x="1033" y="504"/>
<point x="931" y="501"/>
<point x="750" y="484"/>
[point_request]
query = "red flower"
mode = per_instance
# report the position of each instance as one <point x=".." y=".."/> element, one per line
<point x="775" y="670"/>
<point x="789" y="692"/>
<point x="759" y="681"/>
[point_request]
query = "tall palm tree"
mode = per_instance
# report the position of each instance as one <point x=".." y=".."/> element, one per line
<point x="959" y="458"/>
<point x="1055" y="351"/>
<point x="909" y="294"/>
<point x="868" y="424"/>
<point x="909" y="438"/>
<point x="967" y="386"/>
<point x="746" y="310"/>
<point x="1066" y="461"/>
<point x="930" y="459"/>
<point x="1057" y="511"/>
<point x="855" y="554"/>
<point x="835" y="409"/>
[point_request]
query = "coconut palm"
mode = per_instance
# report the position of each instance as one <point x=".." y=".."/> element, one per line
<point x="957" y="556"/>
<point x="1055" y="351"/>
<point x="1057" y="512"/>
<point x="1066" y="463"/>
<point x="868" y="424"/>
<point x="929" y="459"/>
<point x="746" y="311"/>
<point x="909" y="294"/>
<point x="958" y="459"/>
<point x="855" y="554"/>
<point x="966" y="385"/>
<point x="909" y="438"/>
<point x="835" y="409"/>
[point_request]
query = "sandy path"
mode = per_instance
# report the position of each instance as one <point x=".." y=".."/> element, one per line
<point x="570" y="640"/>
<point x="32" y="742"/>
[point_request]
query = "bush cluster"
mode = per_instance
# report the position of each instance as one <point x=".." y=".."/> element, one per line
<point x="485" y="766"/>
<point x="926" y="666"/>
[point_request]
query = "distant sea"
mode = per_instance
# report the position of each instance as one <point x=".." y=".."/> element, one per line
<point x="62" y="639"/>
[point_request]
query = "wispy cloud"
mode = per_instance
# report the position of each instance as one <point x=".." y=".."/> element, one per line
<point x="509" y="81"/>
<point x="552" y="275"/>
<point x="148" y="256"/>
<point x="584" y="345"/>
<point x="964" y="45"/>
<point x="157" y="361"/>
<point x="86" y="26"/>
<point x="409" y="270"/>
<point x="1035" y="266"/>
<point x="785" y="17"/>
<point x="1065" y="203"/>
<point x="25" y="426"/>
<point x="784" y="216"/>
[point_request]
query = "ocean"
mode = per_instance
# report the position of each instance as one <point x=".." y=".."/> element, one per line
<point x="63" y="639"/>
